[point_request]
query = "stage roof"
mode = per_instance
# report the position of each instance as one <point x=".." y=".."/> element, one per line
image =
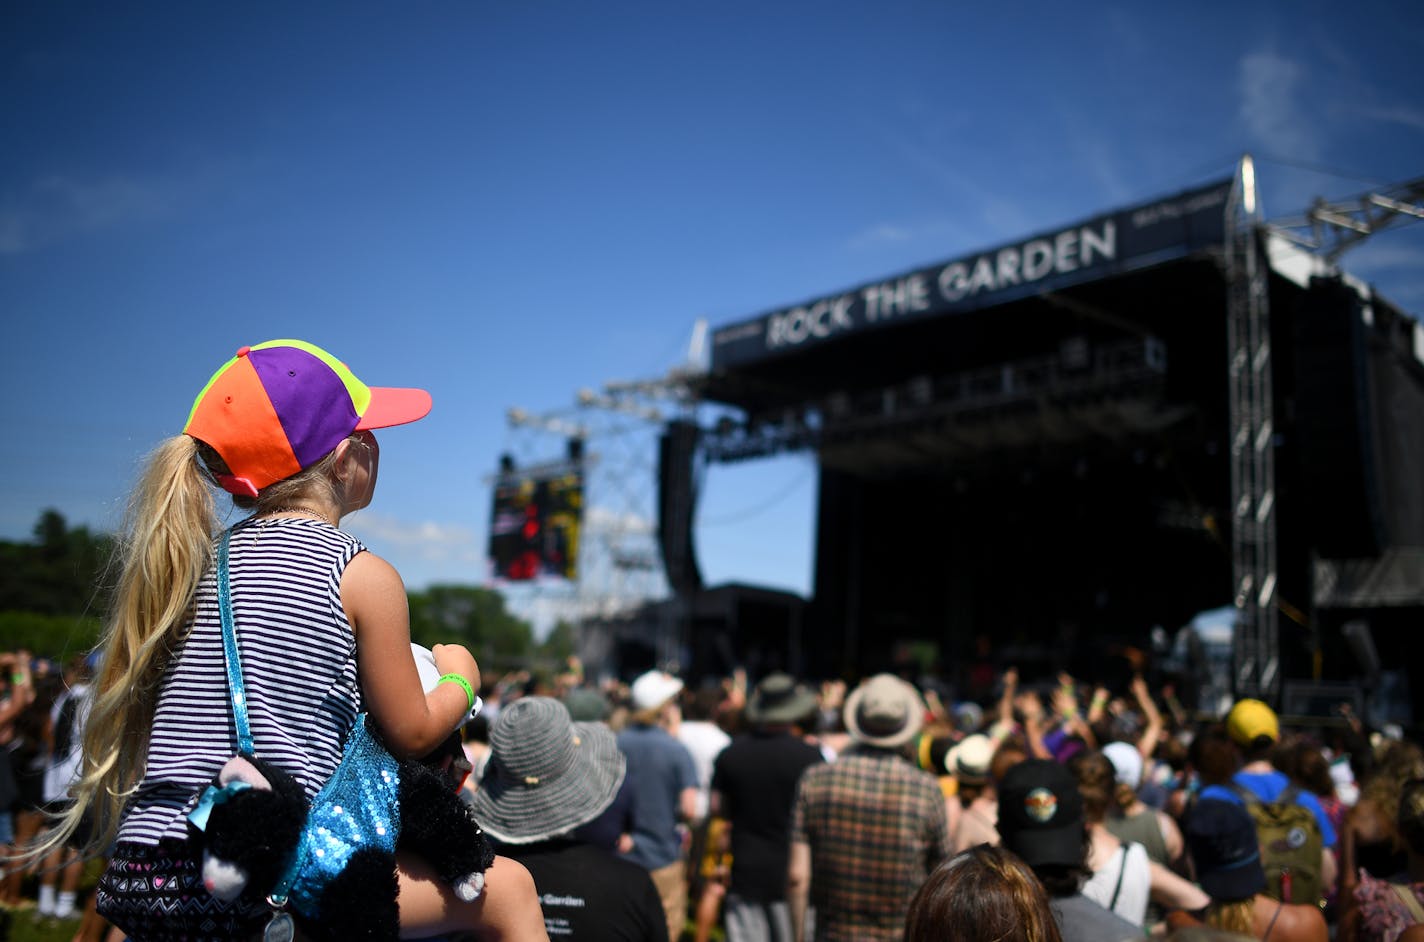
<point x="1113" y="243"/>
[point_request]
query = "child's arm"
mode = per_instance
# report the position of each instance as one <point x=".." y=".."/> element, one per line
<point x="411" y="722"/>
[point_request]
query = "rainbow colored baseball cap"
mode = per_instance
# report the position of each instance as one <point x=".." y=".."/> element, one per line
<point x="281" y="406"/>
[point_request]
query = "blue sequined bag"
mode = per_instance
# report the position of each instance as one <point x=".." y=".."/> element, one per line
<point x="358" y="807"/>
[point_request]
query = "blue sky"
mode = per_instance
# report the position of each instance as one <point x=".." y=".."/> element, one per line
<point x="505" y="203"/>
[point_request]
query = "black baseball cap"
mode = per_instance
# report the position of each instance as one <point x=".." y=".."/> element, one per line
<point x="1041" y="814"/>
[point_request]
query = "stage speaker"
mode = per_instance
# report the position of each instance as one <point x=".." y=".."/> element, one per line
<point x="1334" y="430"/>
<point x="677" y="499"/>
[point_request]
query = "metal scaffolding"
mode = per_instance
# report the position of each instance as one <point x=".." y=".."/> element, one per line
<point x="1329" y="229"/>
<point x="1256" y="655"/>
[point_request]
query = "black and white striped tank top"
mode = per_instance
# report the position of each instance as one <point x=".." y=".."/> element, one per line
<point x="298" y="665"/>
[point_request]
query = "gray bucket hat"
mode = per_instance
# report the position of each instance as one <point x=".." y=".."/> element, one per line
<point x="546" y="774"/>
<point x="780" y="699"/>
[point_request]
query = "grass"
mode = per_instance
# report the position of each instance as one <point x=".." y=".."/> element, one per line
<point x="24" y="929"/>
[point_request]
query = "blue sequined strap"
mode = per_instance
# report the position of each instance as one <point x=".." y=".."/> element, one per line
<point x="236" y="691"/>
<point x="238" y="694"/>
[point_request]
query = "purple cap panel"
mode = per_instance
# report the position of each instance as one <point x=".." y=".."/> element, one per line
<point x="311" y="401"/>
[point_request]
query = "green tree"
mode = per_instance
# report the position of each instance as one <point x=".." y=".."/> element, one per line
<point x="56" y="636"/>
<point x="59" y="573"/>
<point x="475" y="617"/>
<point x="560" y="644"/>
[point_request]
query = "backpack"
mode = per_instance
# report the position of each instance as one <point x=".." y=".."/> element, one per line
<point x="1291" y="845"/>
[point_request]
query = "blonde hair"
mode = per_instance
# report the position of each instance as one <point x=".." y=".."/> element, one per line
<point x="1235" y="916"/>
<point x="162" y="552"/>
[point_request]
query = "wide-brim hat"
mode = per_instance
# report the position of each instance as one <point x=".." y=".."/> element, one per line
<point x="969" y="760"/>
<point x="1222" y="838"/>
<point x="780" y="699"/>
<point x="884" y="711"/>
<point x="546" y="774"/>
<point x="1041" y="814"/>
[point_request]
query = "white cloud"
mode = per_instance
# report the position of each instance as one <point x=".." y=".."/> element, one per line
<point x="55" y="208"/>
<point x="423" y="551"/>
<point x="1397" y="114"/>
<point x="1269" y="86"/>
<point x="883" y="233"/>
<point x="605" y="520"/>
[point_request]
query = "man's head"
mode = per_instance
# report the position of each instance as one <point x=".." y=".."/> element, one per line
<point x="546" y="774"/>
<point x="885" y="712"/>
<point x="1254" y="728"/>
<point x="779" y="700"/>
<point x="969" y="761"/>
<point x="653" y="693"/>
<point x="1041" y="820"/>
<point x="1222" y="839"/>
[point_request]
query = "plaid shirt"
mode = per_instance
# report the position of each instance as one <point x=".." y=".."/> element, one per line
<point x="877" y="827"/>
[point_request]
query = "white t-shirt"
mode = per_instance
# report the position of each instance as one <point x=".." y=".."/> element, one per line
<point x="1133" y="894"/>
<point x="705" y="741"/>
<point x="63" y="767"/>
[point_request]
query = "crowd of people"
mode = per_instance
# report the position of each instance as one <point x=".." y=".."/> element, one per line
<point x="1051" y="813"/>
<point x="776" y="811"/>
<point x="42" y="711"/>
<point x="240" y="663"/>
<point x="654" y="811"/>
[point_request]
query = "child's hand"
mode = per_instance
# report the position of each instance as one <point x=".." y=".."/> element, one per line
<point x="456" y="659"/>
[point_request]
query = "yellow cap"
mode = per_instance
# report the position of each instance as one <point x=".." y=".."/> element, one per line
<point x="1251" y="719"/>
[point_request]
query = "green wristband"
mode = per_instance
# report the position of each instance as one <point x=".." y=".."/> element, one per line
<point x="465" y="685"/>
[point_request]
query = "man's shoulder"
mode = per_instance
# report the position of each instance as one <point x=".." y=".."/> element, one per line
<point x="860" y="766"/>
<point x="755" y="747"/>
<point x="1082" y="920"/>
<point x="1272" y="785"/>
<point x="594" y="863"/>
<point x="651" y="738"/>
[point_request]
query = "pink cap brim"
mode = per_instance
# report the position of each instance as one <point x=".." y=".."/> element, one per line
<point x="394" y="406"/>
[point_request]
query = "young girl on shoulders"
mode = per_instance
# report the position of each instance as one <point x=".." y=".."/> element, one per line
<point x="285" y="429"/>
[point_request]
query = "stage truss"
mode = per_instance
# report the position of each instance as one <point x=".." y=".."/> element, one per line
<point x="620" y="561"/>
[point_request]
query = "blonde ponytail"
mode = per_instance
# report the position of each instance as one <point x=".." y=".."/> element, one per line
<point x="162" y="553"/>
<point x="1238" y="916"/>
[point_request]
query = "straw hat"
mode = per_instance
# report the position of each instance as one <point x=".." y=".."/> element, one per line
<point x="884" y="711"/>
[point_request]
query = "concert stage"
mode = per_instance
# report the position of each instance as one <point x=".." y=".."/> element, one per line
<point x="1032" y="447"/>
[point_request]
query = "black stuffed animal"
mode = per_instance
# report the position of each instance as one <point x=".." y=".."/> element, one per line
<point x="249" y="836"/>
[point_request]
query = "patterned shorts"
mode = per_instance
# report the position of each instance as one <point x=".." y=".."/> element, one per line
<point x="155" y="892"/>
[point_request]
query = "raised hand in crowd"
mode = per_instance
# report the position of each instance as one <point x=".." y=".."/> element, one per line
<point x="1152" y="731"/>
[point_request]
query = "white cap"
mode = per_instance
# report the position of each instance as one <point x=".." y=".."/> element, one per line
<point x="969" y="760"/>
<point x="1126" y="762"/>
<point x="654" y="688"/>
